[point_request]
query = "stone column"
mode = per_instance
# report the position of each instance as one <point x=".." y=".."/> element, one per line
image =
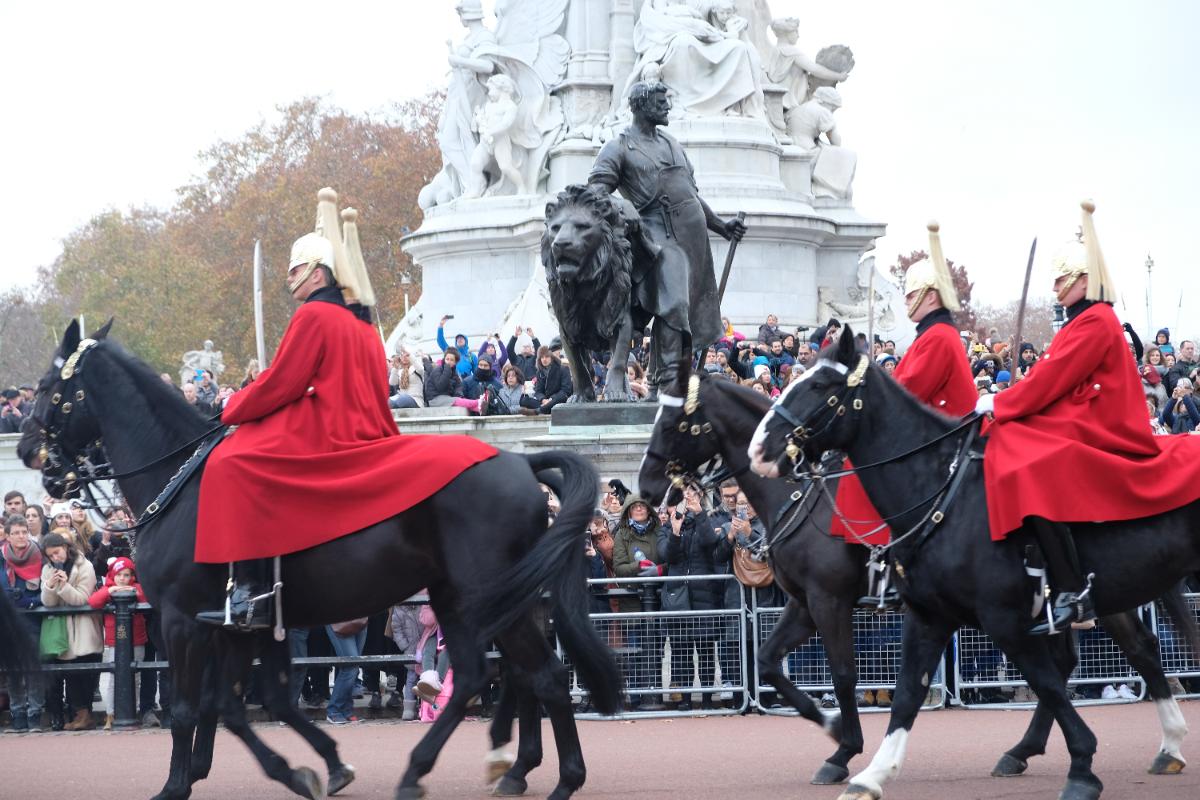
<point x="585" y="92"/>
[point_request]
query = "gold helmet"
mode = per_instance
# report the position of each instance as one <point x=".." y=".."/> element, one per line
<point x="931" y="273"/>
<point x="1083" y="257"/>
<point x="335" y="247"/>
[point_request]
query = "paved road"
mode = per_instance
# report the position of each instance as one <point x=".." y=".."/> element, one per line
<point x="949" y="756"/>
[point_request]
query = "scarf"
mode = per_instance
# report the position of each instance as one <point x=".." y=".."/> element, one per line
<point x="639" y="527"/>
<point x="27" y="567"/>
<point x="404" y="378"/>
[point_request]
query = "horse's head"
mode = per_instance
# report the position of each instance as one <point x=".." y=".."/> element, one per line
<point x="682" y="440"/>
<point x="61" y="435"/>
<point x="817" y="412"/>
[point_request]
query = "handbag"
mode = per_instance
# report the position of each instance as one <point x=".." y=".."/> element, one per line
<point x="350" y="627"/>
<point x="676" y="597"/>
<point x="52" y="640"/>
<point x="749" y="571"/>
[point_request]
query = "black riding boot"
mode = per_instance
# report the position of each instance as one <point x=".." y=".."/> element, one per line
<point x="883" y="596"/>
<point x="1072" y="603"/>
<point x="250" y="600"/>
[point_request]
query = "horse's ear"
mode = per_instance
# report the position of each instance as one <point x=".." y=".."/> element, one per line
<point x="70" y="340"/>
<point x="847" y="349"/>
<point x="103" y="332"/>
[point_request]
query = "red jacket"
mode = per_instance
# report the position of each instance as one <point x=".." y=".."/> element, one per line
<point x="936" y="372"/>
<point x="316" y="454"/>
<point x="101" y="597"/>
<point x="1071" y="442"/>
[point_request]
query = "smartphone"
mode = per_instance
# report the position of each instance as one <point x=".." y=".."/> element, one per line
<point x="449" y="316"/>
<point x="742" y="513"/>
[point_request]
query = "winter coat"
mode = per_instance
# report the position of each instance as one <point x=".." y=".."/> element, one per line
<point x="1184" y="422"/>
<point x="466" y="361"/>
<point x="626" y="541"/>
<point x="553" y="381"/>
<point x="691" y="553"/>
<point x="101" y="597"/>
<point x="406" y="628"/>
<point x="527" y="364"/>
<point x="498" y="359"/>
<point x="476" y="382"/>
<point x="83" y="630"/>
<point x="441" y="381"/>
<point x="416" y="383"/>
<point x="511" y="396"/>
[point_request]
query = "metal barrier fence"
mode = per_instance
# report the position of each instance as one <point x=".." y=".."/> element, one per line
<point x="985" y="678"/>
<point x="877" y="659"/>
<point x="674" y="662"/>
<point x="704" y="662"/>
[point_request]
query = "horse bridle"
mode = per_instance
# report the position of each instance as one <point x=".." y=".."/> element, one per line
<point x="834" y="408"/>
<point x="696" y="423"/>
<point x="90" y="463"/>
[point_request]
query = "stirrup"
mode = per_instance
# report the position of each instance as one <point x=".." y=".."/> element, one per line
<point x="881" y="596"/>
<point x="1081" y="613"/>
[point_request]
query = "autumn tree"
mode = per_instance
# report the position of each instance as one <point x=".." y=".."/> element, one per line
<point x="1039" y="316"/>
<point x="964" y="318"/>
<point x="175" y="277"/>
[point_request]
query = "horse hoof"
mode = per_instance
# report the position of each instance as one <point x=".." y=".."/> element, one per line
<point x="1166" y="764"/>
<point x="830" y="774"/>
<point x="1077" y="789"/>
<point x="410" y="792"/>
<point x="306" y="784"/>
<point x="856" y="792"/>
<point x="494" y="768"/>
<point x="340" y="778"/>
<point x="833" y="726"/>
<point x="509" y="786"/>
<point x="1009" y="766"/>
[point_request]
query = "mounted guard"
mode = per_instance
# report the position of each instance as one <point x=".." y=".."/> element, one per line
<point x="936" y="372"/>
<point x="315" y="438"/>
<point x="1081" y="415"/>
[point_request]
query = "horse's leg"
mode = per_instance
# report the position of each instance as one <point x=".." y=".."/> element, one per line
<point x="206" y="725"/>
<point x="835" y="622"/>
<point x="234" y="657"/>
<point x="277" y="679"/>
<point x="1140" y="647"/>
<point x="527" y="652"/>
<point x="1032" y="656"/>
<point x="470" y="678"/>
<point x="794" y="628"/>
<point x="924" y="645"/>
<point x="187" y="654"/>
<point x="1016" y="760"/>
<point x="529" y="746"/>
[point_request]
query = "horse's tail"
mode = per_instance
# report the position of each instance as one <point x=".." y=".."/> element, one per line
<point x="557" y="565"/>
<point x="1177" y="606"/>
<point x="17" y="652"/>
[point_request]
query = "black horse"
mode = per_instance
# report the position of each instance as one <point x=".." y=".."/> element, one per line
<point x="96" y="397"/>
<point x="822" y="575"/>
<point x="949" y="571"/>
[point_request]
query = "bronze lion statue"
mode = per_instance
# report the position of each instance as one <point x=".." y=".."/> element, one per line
<point x="589" y="271"/>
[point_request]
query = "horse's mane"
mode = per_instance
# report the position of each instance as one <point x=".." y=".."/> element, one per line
<point x="176" y="413"/>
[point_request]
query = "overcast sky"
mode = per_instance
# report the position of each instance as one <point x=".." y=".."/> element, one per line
<point x="993" y="117"/>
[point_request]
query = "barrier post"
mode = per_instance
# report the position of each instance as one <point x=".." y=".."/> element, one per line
<point x="124" y="711"/>
<point x="650" y="597"/>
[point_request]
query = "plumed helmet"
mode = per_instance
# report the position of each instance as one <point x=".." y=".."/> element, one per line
<point x="312" y="247"/>
<point x="1083" y="257"/>
<point x="932" y="273"/>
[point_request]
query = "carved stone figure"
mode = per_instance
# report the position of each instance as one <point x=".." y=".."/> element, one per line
<point x="208" y="358"/>
<point x="525" y="48"/>
<point x="495" y="121"/>
<point x="855" y="309"/>
<point x="589" y="272"/>
<point x="705" y="55"/>
<point x="791" y="68"/>
<point x="833" y="170"/>
<point x="673" y="279"/>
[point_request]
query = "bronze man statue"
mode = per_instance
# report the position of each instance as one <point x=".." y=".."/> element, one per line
<point x="673" y="281"/>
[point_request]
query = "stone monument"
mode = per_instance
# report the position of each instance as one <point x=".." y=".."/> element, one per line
<point x="735" y="79"/>
<point x="206" y="358"/>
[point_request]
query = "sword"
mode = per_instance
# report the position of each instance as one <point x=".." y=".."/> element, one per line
<point x="259" y="339"/>
<point x="741" y="217"/>
<point x="1021" y="311"/>
<point x="871" y="309"/>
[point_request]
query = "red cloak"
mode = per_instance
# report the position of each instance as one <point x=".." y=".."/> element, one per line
<point x="936" y="372"/>
<point x="316" y="454"/>
<point x="1072" y="442"/>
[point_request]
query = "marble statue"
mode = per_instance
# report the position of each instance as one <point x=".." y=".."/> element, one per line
<point x="704" y="54"/>
<point x="208" y="358"/>
<point x="527" y="49"/>
<point x="855" y="308"/>
<point x="833" y="169"/>
<point x="495" y="121"/>
<point x="674" y="281"/>
<point x="791" y="68"/>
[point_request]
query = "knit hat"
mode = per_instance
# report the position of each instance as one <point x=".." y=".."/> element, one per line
<point x="117" y="564"/>
<point x="883" y="358"/>
<point x="524" y="341"/>
<point x="59" y="508"/>
<point x="1003" y="376"/>
<point x="760" y="370"/>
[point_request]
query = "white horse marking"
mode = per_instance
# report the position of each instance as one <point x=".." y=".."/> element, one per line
<point x="1173" y="725"/>
<point x="755" y="450"/>
<point x="886" y="763"/>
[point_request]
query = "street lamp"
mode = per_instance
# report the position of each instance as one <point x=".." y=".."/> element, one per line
<point x="1149" y="314"/>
